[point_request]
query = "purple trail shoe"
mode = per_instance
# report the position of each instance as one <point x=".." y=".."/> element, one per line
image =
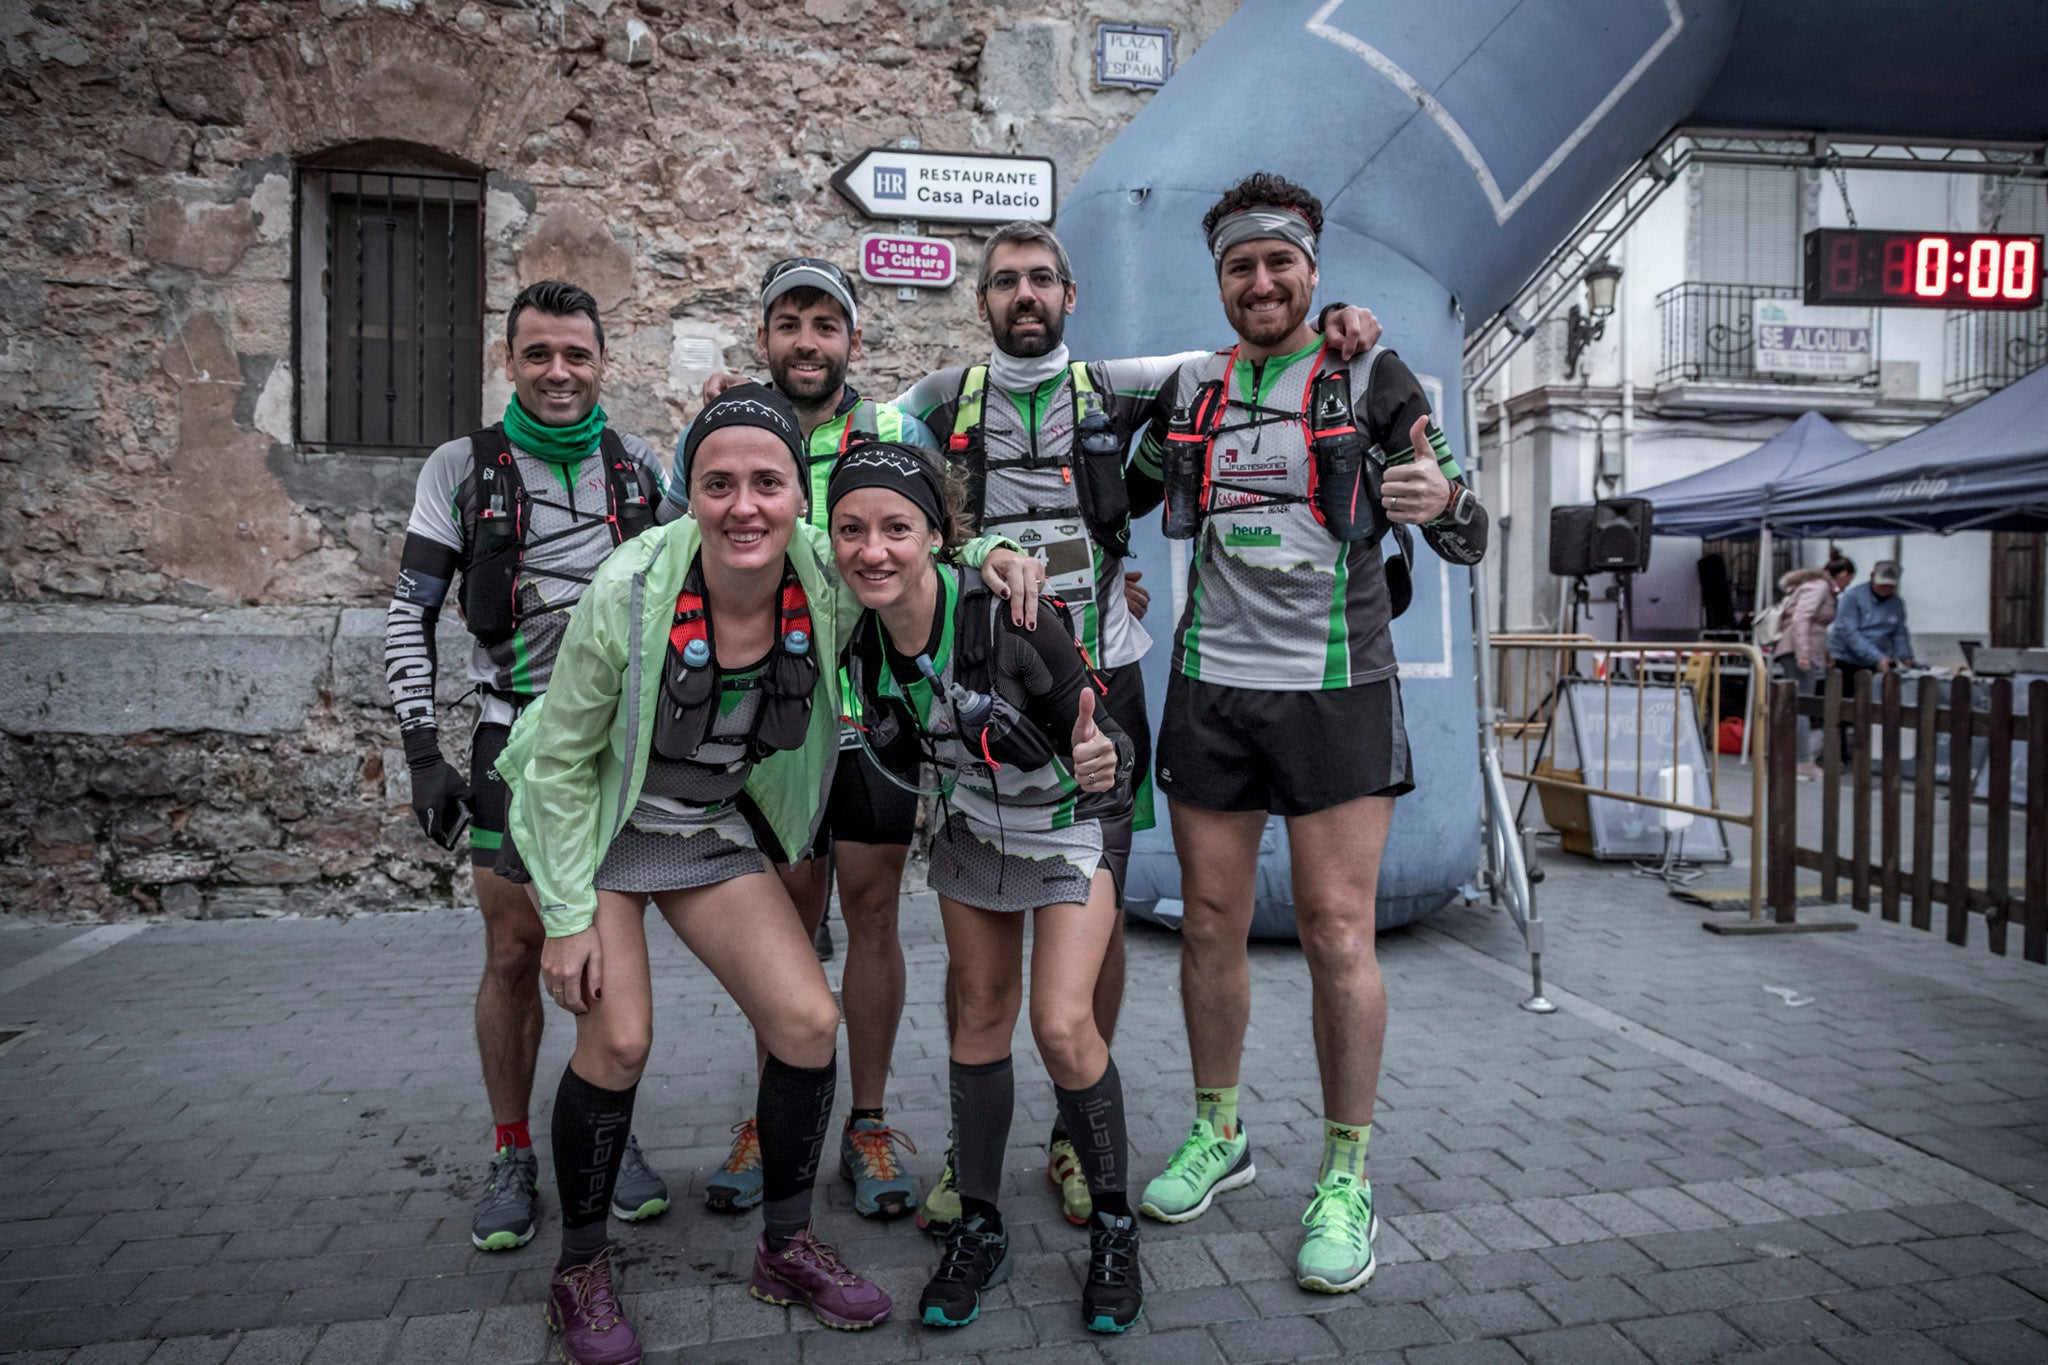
<point x="810" y="1274"/>
<point x="584" y="1308"/>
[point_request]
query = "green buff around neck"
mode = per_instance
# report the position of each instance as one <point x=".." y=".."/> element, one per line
<point x="557" y="445"/>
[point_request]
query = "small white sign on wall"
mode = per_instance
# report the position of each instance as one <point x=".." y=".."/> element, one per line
<point x="1133" y="56"/>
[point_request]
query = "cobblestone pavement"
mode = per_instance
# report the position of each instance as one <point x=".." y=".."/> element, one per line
<point x="258" y="1142"/>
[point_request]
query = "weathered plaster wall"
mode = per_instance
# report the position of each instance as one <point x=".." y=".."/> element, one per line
<point x="659" y="152"/>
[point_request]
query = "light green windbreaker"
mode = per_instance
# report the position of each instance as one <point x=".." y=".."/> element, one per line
<point x="577" y="757"/>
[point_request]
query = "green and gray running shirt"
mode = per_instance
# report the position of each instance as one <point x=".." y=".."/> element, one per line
<point x="1028" y="437"/>
<point x="1275" y="603"/>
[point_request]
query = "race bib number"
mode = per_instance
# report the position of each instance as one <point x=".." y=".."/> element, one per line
<point x="1062" y="545"/>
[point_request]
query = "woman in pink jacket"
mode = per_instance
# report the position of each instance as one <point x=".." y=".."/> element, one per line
<point x="1802" y="651"/>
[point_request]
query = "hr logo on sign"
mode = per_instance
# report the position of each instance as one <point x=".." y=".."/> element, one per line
<point x="892" y="182"/>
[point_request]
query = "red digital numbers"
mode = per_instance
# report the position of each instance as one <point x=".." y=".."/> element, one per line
<point x="1924" y="270"/>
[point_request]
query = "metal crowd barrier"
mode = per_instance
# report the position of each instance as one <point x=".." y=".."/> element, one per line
<point x="1532" y="673"/>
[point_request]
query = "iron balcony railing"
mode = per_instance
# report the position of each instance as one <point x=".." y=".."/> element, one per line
<point x="1709" y="333"/>
<point x="1987" y="351"/>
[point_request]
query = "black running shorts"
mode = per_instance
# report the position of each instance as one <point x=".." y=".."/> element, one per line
<point x="1286" y="753"/>
<point x="865" y="807"/>
<point x="1125" y="701"/>
<point x="491" y="797"/>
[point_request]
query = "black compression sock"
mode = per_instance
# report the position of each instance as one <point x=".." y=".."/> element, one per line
<point x="984" y="1093"/>
<point x="794" y="1110"/>
<point x="590" y="1129"/>
<point x="1095" y="1116"/>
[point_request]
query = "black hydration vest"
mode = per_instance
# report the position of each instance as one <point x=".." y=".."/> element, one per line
<point x="690" y="676"/>
<point x="1094" y="460"/>
<point x="495" y="527"/>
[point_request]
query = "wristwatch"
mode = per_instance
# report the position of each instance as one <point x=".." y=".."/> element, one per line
<point x="1459" y="510"/>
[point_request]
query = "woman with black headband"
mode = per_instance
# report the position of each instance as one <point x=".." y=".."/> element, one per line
<point x="1028" y="763"/>
<point x="693" y="696"/>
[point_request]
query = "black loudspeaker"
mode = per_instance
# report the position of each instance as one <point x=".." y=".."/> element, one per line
<point x="1612" y="536"/>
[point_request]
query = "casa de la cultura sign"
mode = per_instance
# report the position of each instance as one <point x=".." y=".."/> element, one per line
<point x="948" y="187"/>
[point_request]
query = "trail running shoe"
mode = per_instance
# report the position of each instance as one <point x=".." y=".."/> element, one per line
<point x="809" y="1274"/>
<point x="867" y="1157"/>
<point x="639" y="1193"/>
<point x="1114" y="1296"/>
<point x="737" y="1185"/>
<point x="584" y="1308"/>
<point x="941" y="1207"/>
<point x="1336" y="1256"/>
<point x="504" y="1216"/>
<point x="1204" y="1167"/>
<point x="1063" y="1168"/>
<point x="974" y="1260"/>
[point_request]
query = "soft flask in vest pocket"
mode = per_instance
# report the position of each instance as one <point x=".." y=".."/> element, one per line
<point x="684" y="715"/>
<point x="1099" y="460"/>
<point x="1346" y="497"/>
<point x="490" y="584"/>
<point x="1184" y="464"/>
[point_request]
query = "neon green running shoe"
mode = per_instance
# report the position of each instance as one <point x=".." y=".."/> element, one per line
<point x="1336" y="1256"/>
<point x="941" y="1207"/>
<point x="1063" y="1169"/>
<point x="1204" y="1167"/>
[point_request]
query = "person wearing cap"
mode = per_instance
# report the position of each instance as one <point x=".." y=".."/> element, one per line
<point x="809" y="336"/>
<point x="1030" y="764"/>
<point x="1283" y="696"/>
<point x="1869" y="630"/>
<point x="1040" y="440"/>
<point x="694" y="701"/>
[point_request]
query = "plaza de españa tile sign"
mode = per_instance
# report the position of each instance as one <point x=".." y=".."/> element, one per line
<point x="948" y="187"/>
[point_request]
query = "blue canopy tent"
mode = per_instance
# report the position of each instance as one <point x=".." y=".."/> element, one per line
<point x="1984" y="469"/>
<point x="1732" y="501"/>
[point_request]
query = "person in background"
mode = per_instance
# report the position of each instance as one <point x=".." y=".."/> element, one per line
<point x="1802" y="650"/>
<point x="1869" y="630"/>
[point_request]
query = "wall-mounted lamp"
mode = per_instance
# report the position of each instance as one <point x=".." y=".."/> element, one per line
<point x="1583" y="329"/>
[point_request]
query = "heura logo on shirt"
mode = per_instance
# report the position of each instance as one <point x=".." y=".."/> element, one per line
<point x="1251" y="533"/>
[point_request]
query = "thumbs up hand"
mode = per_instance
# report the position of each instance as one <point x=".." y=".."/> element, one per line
<point x="1094" y="760"/>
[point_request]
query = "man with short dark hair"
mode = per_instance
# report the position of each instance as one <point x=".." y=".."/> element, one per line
<point x="1283" y="697"/>
<point x="524" y="510"/>
<point x="810" y="336"/>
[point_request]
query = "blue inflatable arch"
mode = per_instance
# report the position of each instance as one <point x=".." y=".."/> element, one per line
<point x="1453" y="146"/>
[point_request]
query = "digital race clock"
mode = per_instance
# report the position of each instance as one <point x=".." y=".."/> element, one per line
<point x="1923" y="269"/>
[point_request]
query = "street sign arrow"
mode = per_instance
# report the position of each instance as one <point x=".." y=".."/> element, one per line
<point x="948" y="187"/>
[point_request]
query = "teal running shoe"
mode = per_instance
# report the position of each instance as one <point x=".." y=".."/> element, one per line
<point x="1204" y="1167"/>
<point x="737" y="1185"/>
<point x="1336" y="1257"/>
<point x="867" y="1158"/>
<point x="639" y="1193"/>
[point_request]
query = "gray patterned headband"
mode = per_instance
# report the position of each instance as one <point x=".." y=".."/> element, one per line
<point x="1263" y="220"/>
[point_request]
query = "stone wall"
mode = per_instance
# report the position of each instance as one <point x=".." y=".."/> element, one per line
<point x="192" y="719"/>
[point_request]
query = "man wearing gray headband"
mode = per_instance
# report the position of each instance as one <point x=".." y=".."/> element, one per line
<point x="1040" y="440"/>
<point x="1282" y="697"/>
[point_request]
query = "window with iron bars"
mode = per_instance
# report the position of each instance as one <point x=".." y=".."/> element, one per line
<point x="390" y="308"/>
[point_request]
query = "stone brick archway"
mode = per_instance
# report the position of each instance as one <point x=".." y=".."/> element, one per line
<point x="390" y="81"/>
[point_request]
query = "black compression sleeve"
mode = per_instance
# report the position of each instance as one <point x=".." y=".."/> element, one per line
<point x="1393" y="403"/>
<point x="425" y="568"/>
<point x="1053" y="675"/>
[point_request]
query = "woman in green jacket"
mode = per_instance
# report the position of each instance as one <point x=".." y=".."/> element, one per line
<point x="694" y="688"/>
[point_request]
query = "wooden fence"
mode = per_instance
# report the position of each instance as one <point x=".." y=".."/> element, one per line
<point x="1904" y="876"/>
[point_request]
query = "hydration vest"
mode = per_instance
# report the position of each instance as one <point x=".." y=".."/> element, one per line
<point x="1003" y="734"/>
<point x="1344" y="468"/>
<point x="1093" y="463"/>
<point x="690" y="677"/>
<point x="496" y="527"/>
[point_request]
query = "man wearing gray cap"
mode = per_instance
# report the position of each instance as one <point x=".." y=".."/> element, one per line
<point x="1869" y="631"/>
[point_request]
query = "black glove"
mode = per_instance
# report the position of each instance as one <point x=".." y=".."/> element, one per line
<point x="441" y="800"/>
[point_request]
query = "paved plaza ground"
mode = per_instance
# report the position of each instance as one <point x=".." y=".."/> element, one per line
<point x="258" y="1141"/>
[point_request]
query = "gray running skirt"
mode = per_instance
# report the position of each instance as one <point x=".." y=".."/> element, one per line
<point x="642" y="861"/>
<point x="979" y="865"/>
